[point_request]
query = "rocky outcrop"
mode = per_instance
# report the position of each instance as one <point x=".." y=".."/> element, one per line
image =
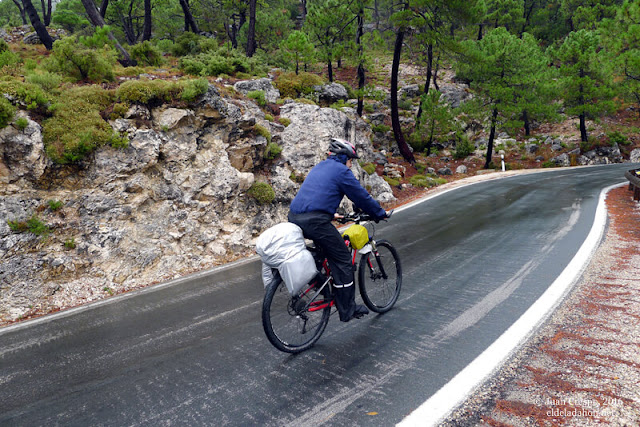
<point x="173" y="201"/>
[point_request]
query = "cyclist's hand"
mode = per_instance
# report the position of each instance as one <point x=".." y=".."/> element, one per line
<point x="337" y="216"/>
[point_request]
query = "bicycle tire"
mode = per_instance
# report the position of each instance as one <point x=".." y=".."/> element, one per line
<point x="288" y="326"/>
<point x="380" y="294"/>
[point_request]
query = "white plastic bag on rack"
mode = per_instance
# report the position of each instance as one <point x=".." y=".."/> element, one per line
<point x="282" y="247"/>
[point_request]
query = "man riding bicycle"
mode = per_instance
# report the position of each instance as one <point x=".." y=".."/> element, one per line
<point x="315" y="206"/>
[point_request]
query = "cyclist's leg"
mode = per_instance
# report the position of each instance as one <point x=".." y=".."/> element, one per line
<point x="317" y="226"/>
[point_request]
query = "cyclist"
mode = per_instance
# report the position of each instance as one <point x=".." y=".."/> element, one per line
<point x="315" y="206"/>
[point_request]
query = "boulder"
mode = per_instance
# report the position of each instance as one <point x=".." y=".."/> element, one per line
<point x="634" y="156"/>
<point x="271" y="94"/>
<point x="330" y="93"/>
<point x="22" y="152"/>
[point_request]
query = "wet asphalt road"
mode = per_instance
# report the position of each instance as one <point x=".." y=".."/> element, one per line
<point x="193" y="352"/>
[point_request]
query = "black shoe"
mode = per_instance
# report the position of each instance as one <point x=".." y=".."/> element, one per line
<point x="361" y="310"/>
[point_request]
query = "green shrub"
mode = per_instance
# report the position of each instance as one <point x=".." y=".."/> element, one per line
<point x="392" y="181"/>
<point x="268" y="117"/>
<point x="21" y="123"/>
<point x="618" y="138"/>
<point x="46" y="80"/>
<point x="294" y="85"/>
<point x="70" y="243"/>
<point x="9" y="58"/>
<point x="146" y="54"/>
<point x="405" y="104"/>
<point x="164" y="45"/>
<point x="381" y="128"/>
<point x="80" y="59"/>
<point x="29" y="94"/>
<point x="220" y="62"/>
<point x="261" y="130"/>
<point x="284" y="121"/>
<point x="464" y="148"/>
<point x="77" y="127"/>
<point x="262" y="192"/>
<point x="33" y="225"/>
<point x="187" y="43"/>
<point x="4" y="46"/>
<point x="305" y="101"/>
<point x="119" y="110"/>
<point x="296" y="177"/>
<point x="368" y="108"/>
<point x="258" y="96"/>
<point x="272" y="151"/>
<point x="193" y="89"/>
<point x="369" y="168"/>
<point x="55" y="205"/>
<point x="7" y="110"/>
<point x="147" y="91"/>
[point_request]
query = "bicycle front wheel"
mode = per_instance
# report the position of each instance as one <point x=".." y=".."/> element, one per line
<point x="294" y="324"/>
<point x="380" y="277"/>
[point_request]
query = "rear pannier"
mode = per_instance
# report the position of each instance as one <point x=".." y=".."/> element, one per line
<point x="282" y="247"/>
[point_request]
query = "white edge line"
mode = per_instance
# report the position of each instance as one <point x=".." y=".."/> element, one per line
<point x="455" y="392"/>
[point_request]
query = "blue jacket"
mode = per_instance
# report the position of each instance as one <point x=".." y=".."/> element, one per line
<point x="325" y="186"/>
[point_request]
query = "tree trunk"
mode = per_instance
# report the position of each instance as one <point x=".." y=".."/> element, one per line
<point x="146" y="32"/>
<point x="492" y="135"/>
<point x="583" y="128"/>
<point x="103" y="8"/>
<point x="480" y="27"/>
<point x="251" y="34"/>
<point x="330" y="70"/>
<point x="428" y="82"/>
<point x="190" y="23"/>
<point x="46" y="12"/>
<point x="525" y="119"/>
<point x="97" y="21"/>
<point x="41" y="30"/>
<point x="23" y="15"/>
<point x="395" y="119"/>
<point x="360" y="72"/>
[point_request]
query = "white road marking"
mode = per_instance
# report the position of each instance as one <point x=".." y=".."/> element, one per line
<point x="456" y="391"/>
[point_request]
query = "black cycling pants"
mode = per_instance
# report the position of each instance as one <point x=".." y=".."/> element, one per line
<point x="317" y="226"/>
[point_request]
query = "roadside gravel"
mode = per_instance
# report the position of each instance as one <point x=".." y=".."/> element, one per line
<point x="583" y="367"/>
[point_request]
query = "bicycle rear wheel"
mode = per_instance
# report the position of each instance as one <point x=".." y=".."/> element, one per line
<point x="294" y="324"/>
<point x="380" y="277"/>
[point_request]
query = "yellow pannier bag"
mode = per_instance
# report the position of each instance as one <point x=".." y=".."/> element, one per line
<point x="358" y="236"/>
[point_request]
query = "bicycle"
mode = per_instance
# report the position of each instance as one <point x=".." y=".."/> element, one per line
<point x="295" y="323"/>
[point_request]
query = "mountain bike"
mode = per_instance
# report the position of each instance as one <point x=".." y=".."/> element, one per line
<point x="295" y="323"/>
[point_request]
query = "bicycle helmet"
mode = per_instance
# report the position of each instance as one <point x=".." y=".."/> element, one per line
<point x="340" y="146"/>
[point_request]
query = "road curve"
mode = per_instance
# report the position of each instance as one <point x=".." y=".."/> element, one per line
<point x="193" y="352"/>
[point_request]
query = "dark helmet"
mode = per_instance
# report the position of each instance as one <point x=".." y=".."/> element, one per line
<point x="340" y="146"/>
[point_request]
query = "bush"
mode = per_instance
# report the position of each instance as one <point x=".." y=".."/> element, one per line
<point x="7" y="110"/>
<point x="369" y="168"/>
<point x="46" y="80"/>
<point x="81" y="60"/>
<point x="272" y="151"/>
<point x="146" y="54"/>
<point x="147" y="91"/>
<point x="262" y="192"/>
<point x="21" y="123"/>
<point x="187" y="43"/>
<point x="464" y="148"/>
<point x="261" y="130"/>
<point x="258" y="96"/>
<point x="380" y="128"/>
<point x="164" y="45"/>
<point x="219" y="62"/>
<point x="32" y="225"/>
<point x="4" y="46"/>
<point x="29" y="94"/>
<point x="294" y="85"/>
<point x="77" y="128"/>
<point x="618" y="138"/>
<point x="392" y="181"/>
<point x="193" y="89"/>
<point x="8" y="58"/>
<point x="284" y="121"/>
<point x="55" y="205"/>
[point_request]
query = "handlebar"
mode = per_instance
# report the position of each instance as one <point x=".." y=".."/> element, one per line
<point x="359" y="217"/>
